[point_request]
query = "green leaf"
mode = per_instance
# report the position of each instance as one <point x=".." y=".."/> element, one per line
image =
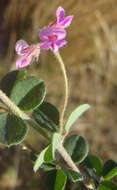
<point x="40" y="160"/>
<point x="76" y="147"/>
<point x="29" y="93"/>
<point x="107" y="185"/>
<point x="10" y="80"/>
<point x="73" y="175"/>
<point x="44" y="157"/>
<point x="111" y="174"/>
<point x="56" y="139"/>
<point x="75" y="115"/>
<point x="109" y="168"/>
<point x="94" y="162"/>
<point x="12" y="129"/>
<point x="48" y="166"/>
<point x="61" y="180"/>
<point x="47" y="116"/>
<point x="48" y="154"/>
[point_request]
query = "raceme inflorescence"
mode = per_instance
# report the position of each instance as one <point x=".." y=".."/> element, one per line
<point x="65" y="157"/>
<point x="51" y="36"/>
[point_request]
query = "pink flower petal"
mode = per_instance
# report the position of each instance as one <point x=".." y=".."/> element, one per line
<point x="45" y="45"/>
<point x="60" y="14"/>
<point x="20" y="45"/>
<point x="43" y="34"/>
<point x="23" y="62"/>
<point x="67" y="21"/>
<point x="29" y="50"/>
<point x="57" y="45"/>
<point x="61" y="33"/>
<point x="46" y="32"/>
<point x="61" y="43"/>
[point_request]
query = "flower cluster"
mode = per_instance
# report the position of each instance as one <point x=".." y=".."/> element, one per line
<point x="52" y="37"/>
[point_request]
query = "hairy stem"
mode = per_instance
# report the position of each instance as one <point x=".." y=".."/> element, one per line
<point x="67" y="158"/>
<point x="12" y="107"/>
<point x="16" y="111"/>
<point x="71" y="164"/>
<point x="60" y="60"/>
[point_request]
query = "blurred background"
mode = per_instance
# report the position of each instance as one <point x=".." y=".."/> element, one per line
<point x="91" y="62"/>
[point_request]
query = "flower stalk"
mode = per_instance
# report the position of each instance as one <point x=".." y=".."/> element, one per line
<point x="62" y="66"/>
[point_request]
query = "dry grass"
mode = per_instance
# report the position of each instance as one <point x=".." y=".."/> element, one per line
<point x="90" y="59"/>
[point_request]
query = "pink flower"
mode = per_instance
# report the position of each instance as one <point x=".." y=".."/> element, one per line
<point x="53" y="35"/>
<point x="53" y="38"/>
<point x="27" y="53"/>
<point x="62" y="21"/>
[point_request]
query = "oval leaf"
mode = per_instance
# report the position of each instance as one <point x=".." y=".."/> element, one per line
<point x="61" y="180"/>
<point x="47" y="116"/>
<point x="28" y="93"/>
<point x="77" y="147"/>
<point x="108" y="167"/>
<point x="10" y="80"/>
<point x="75" y="115"/>
<point x="107" y="185"/>
<point x="44" y="157"/>
<point x="111" y="174"/>
<point x="94" y="162"/>
<point x="40" y="160"/>
<point x="73" y="175"/>
<point x="12" y="129"/>
<point x="48" y="167"/>
<point x="48" y="154"/>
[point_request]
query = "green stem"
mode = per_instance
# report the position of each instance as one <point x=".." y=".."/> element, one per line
<point x="16" y="110"/>
<point x="62" y="66"/>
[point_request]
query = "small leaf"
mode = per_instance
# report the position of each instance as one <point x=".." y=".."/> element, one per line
<point x="111" y="174"/>
<point x="61" y="180"/>
<point x="40" y="160"/>
<point x="48" y="154"/>
<point x="94" y="162"/>
<point x="28" y="93"/>
<point x="48" y="166"/>
<point x="56" y="139"/>
<point x="108" y="167"/>
<point x="73" y="175"/>
<point x="10" y="80"/>
<point x="47" y="116"/>
<point x="77" y="147"/>
<point x="43" y="157"/>
<point x="12" y="129"/>
<point x="75" y="115"/>
<point x="107" y="185"/>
